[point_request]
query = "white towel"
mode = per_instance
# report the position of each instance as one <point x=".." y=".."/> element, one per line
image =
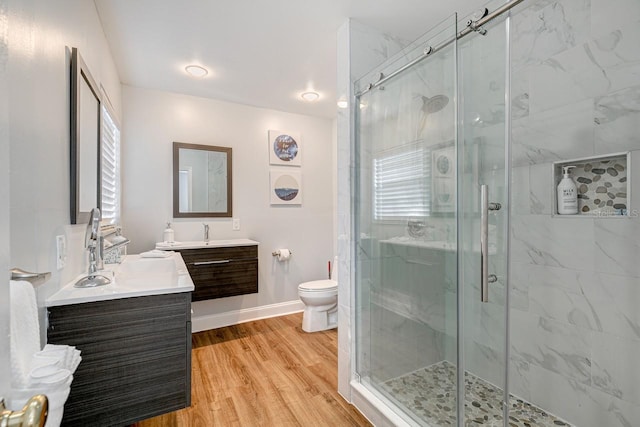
<point x="167" y="244"/>
<point x="57" y="396"/>
<point x="156" y="253"/>
<point x="34" y="371"/>
<point x="75" y="361"/>
<point x="38" y="360"/>
<point x="25" y="330"/>
<point x="68" y="356"/>
<point x="50" y="377"/>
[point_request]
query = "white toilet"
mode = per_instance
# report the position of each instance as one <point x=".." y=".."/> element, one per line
<point x="320" y="298"/>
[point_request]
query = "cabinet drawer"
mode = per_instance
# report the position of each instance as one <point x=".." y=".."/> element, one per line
<point x="222" y="272"/>
<point x="236" y="277"/>
<point x="218" y="254"/>
<point x="121" y="316"/>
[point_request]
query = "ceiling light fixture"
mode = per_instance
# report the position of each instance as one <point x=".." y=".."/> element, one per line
<point x="196" y="71"/>
<point x="310" y="96"/>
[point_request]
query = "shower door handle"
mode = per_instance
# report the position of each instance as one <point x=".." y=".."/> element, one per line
<point x="485" y="207"/>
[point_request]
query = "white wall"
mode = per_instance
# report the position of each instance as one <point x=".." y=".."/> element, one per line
<point x="5" y="373"/>
<point x="154" y="119"/>
<point x="40" y="35"/>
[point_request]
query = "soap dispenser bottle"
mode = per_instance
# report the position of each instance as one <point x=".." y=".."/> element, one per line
<point x="567" y="193"/>
<point x="168" y="234"/>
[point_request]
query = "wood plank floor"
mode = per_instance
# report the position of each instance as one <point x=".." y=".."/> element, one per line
<point x="264" y="373"/>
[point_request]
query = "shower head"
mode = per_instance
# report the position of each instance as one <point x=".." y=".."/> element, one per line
<point x="434" y="104"/>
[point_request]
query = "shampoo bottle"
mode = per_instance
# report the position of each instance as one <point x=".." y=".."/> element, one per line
<point x="168" y="233"/>
<point x="567" y="194"/>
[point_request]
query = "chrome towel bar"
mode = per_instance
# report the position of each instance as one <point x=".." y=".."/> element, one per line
<point x="33" y="278"/>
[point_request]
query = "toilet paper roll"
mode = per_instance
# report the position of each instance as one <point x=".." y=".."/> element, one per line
<point x="284" y="254"/>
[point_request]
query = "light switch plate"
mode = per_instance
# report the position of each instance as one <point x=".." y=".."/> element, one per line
<point x="236" y="224"/>
<point x="61" y="252"/>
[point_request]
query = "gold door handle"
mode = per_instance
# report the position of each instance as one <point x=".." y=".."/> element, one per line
<point x="33" y="414"/>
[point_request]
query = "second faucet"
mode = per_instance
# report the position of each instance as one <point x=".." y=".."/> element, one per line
<point x="206" y="233"/>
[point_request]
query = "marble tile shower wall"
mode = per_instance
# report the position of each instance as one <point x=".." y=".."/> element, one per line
<point x="575" y="323"/>
<point x="360" y="48"/>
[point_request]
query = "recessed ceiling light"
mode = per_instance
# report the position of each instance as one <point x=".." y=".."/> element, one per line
<point x="310" y="96"/>
<point x="196" y="71"/>
<point x="343" y="104"/>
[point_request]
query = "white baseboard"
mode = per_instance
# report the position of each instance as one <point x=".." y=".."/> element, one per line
<point x="214" y="321"/>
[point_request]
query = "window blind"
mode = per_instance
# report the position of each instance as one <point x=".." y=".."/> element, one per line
<point x="402" y="184"/>
<point x="110" y="167"/>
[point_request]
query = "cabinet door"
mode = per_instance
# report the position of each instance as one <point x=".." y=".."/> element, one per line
<point x="136" y="357"/>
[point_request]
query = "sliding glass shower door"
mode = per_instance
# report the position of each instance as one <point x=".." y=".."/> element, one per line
<point x="430" y="204"/>
<point x="483" y="223"/>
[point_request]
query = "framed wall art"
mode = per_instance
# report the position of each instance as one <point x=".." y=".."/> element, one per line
<point x="284" y="148"/>
<point x="286" y="187"/>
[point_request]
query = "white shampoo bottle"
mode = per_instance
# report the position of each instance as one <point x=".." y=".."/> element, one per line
<point x="567" y="194"/>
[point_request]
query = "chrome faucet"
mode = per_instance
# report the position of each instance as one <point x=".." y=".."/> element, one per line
<point x="206" y="233"/>
<point x="93" y="242"/>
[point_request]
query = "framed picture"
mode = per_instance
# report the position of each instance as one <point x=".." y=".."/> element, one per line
<point x="286" y="187"/>
<point x="284" y="148"/>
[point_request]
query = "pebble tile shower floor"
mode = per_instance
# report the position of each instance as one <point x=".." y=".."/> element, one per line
<point x="430" y="394"/>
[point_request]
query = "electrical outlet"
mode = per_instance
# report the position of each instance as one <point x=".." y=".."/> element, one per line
<point x="236" y="224"/>
<point x="61" y="252"/>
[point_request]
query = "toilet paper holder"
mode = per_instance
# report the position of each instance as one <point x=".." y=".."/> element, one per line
<point x="277" y="253"/>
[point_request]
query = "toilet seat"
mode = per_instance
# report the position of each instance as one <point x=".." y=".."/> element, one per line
<point x="318" y="286"/>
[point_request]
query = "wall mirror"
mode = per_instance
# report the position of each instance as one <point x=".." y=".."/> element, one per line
<point x="85" y="141"/>
<point x="202" y="181"/>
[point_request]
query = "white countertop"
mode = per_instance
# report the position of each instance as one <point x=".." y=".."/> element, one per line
<point x="133" y="277"/>
<point x="434" y="244"/>
<point x="197" y="244"/>
<point x="431" y="244"/>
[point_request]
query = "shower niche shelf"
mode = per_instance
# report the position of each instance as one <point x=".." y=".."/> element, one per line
<point x="603" y="182"/>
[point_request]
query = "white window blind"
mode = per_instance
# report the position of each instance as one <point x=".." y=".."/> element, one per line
<point x="402" y="184"/>
<point x="110" y="165"/>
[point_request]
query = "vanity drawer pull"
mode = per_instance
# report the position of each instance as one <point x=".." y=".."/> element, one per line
<point x="224" y="261"/>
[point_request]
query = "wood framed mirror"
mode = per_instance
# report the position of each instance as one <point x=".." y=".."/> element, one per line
<point x="202" y="181"/>
<point x="85" y="141"/>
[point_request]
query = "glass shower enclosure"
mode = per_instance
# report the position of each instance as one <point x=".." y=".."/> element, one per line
<point x="430" y="213"/>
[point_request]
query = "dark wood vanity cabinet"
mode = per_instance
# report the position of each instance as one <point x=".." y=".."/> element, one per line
<point x="136" y="357"/>
<point x="219" y="272"/>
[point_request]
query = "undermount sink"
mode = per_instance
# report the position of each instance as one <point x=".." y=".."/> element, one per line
<point x="138" y="265"/>
<point x="205" y="244"/>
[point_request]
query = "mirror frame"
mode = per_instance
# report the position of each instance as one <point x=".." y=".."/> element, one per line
<point x="79" y="73"/>
<point x="176" y="177"/>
